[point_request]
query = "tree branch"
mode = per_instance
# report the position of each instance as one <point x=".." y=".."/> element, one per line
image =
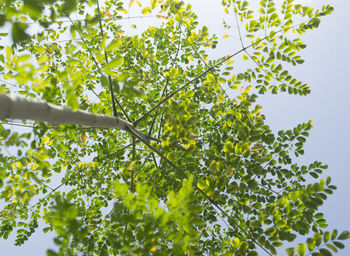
<point x="177" y="169"/>
<point x="42" y="111"/>
<point x="207" y="71"/>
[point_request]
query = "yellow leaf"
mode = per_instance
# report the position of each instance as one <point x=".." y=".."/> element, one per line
<point x="132" y="166"/>
<point x="257" y="147"/>
<point x="124" y="11"/>
<point x="186" y="146"/>
<point x="191" y="39"/>
<point x="81" y="164"/>
<point x="170" y="156"/>
<point x="108" y="15"/>
<point x="146" y="10"/>
<point x="131" y="3"/>
<point x="244" y="57"/>
<point x="133" y="26"/>
<point x="225" y="36"/>
<point x="43" y="59"/>
<point x="190" y="58"/>
<point x="207" y="182"/>
<point x="153" y="249"/>
<point x="119" y="32"/>
<point x="154" y="3"/>
<point x="84" y="138"/>
<point x="165" y="143"/>
<point x="201" y="184"/>
<point x="248" y="89"/>
<point x="19" y="165"/>
<point x="211" y="78"/>
<point x="45" y="140"/>
<point x="216" y="87"/>
<point x="34" y="166"/>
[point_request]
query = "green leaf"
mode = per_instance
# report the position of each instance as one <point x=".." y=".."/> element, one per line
<point x="325" y="252"/>
<point x="326" y="236"/>
<point x="290" y="251"/>
<point x="18" y="32"/>
<point x="69" y="6"/>
<point x="334" y="233"/>
<point x="252" y="253"/>
<point x="2" y="19"/>
<point x="104" y="81"/>
<point x="318" y="239"/>
<point x="344" y="235"/>
<point x="243" y="247"/>
<point x="301" y="249"/>
<point x="51" y="253"/>
<point x="104" y="250"/>
<point x="339" y="245"/>
<point x="270" y="10"/>
<point x="114" y="63"/>
<point x="72" y="101"/>
<point x="311" y="244"/>
<point x="332" y="247"/>
<point x="114" y="44"/>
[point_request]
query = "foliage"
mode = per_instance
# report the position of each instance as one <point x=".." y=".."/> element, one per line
<point x="215" y="181"/>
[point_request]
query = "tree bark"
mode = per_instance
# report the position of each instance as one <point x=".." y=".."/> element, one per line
<point x="12" y="107"/>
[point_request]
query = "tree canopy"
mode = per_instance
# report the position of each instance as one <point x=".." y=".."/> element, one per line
<point x="190" y="167"/>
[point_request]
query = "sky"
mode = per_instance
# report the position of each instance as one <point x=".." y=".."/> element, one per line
<point x="325" y="70"/>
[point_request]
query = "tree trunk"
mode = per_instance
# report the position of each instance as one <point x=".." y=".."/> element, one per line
<point x="12" y="107"/>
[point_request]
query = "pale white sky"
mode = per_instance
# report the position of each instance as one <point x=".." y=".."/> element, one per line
<point x="326" y="70"/>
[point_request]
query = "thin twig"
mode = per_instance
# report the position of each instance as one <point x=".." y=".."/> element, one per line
<point x="179" y="171"/>
<point x="133" y="159"/>
<point x="154" y="160"/>
<point x="207" y="66"/>
<point x="55" y="189"/>
<point x="89" y="50"/>
<point x="165" y="87"/>
<point x="106" y="58"/>
<point x="100" y="70"/>
<point x="85" y="20"/>
<point x="208" y="70"/>
<point x="119" y="150"/>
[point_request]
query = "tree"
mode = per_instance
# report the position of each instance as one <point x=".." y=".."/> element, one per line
<point x="193" y="169"/>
